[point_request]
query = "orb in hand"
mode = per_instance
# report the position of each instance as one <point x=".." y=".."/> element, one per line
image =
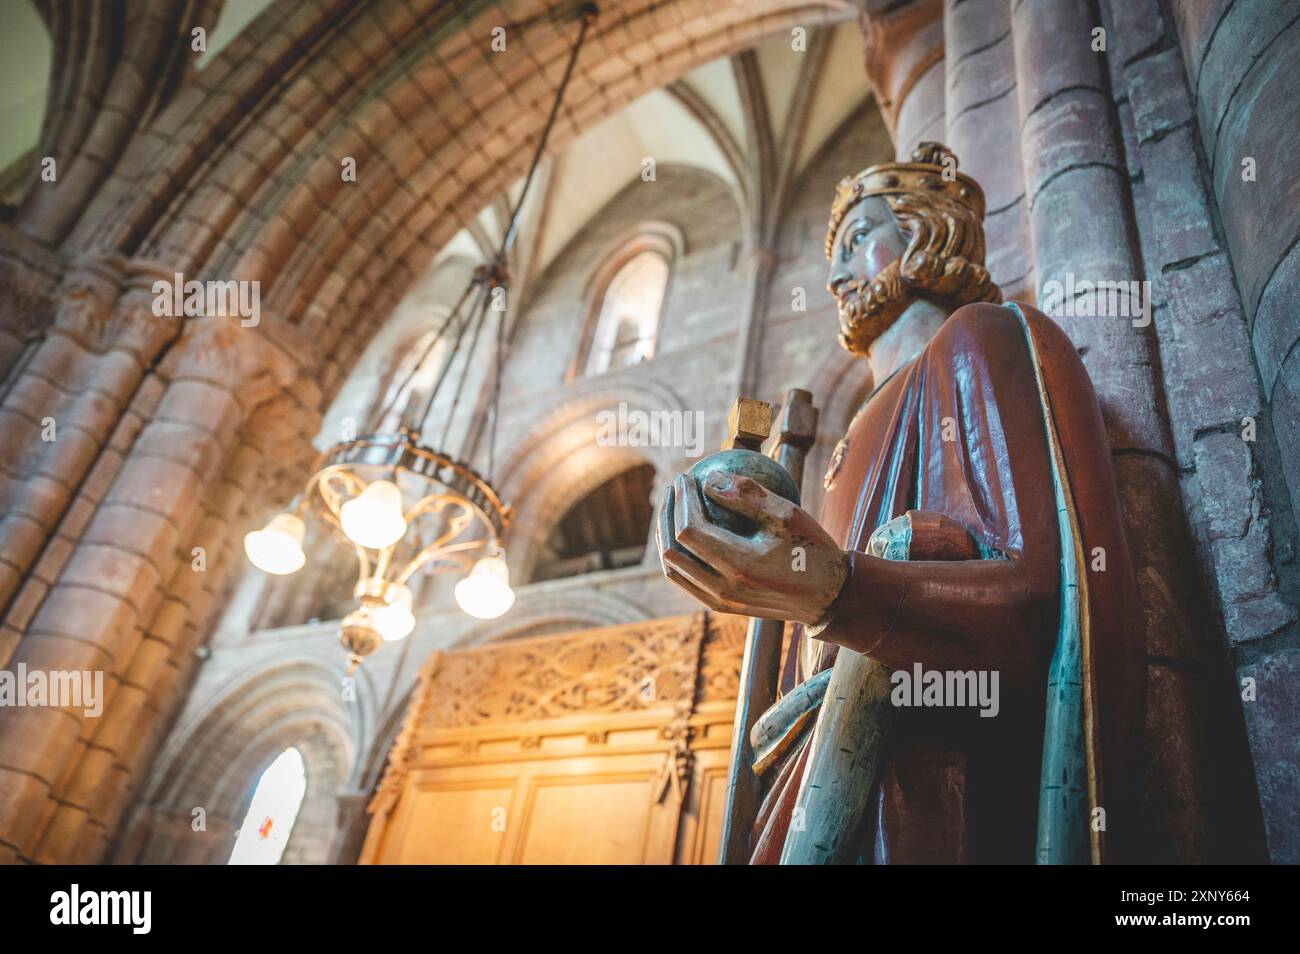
<point x="745" y="463"/>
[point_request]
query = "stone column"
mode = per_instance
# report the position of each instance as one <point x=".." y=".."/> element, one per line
<point x="1241" y="100"/>
<point x="1081" y="221"/>
<point x="761" y="263"/>
<point x="904" y="47"/>
<point x="61" y="413"/>
<point x="134" y="596"/>
<point x="104" y="337"/>
<point x="983" y="129"/>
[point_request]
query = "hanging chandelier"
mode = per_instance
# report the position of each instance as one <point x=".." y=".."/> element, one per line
<point x="456" y="519"/>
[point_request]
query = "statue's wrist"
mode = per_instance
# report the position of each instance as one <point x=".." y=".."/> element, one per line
<point x="827" y="615"/>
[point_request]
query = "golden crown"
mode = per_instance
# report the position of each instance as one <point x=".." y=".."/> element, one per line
<point x="931" y="171"/>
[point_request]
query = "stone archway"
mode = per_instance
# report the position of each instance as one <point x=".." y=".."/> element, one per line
<point x="210" y="767"/>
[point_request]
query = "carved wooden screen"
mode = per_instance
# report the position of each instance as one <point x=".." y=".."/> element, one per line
<point x="604" y="746"/>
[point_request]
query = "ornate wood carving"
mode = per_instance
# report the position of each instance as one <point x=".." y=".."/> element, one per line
<point x="581" y="720"/>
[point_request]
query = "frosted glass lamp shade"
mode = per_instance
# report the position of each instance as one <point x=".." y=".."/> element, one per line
<point x="394" y="619"/>
<point x="374" y="518"/>
<point x="277" y="547"/>
<point x="486" y="592"/>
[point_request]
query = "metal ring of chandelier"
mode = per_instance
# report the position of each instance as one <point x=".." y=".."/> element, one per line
<point x="456" y="524"/>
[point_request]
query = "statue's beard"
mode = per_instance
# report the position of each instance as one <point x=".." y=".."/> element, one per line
<point x="868" y="308"/>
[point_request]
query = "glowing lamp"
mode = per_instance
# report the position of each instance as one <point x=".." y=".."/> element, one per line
<point x="486" y="592"/>
<point x="374" y="518"/>
<point x="277" y="547"/>
<point x="394" y="620"/>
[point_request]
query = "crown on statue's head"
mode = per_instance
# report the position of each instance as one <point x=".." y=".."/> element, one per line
<point x="932" y="170"/>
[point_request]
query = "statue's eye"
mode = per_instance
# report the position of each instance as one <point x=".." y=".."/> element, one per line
<point x="856" y="240"/>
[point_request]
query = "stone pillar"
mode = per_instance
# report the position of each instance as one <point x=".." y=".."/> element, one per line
<point x="760" y="266"/>
<point x="61" y="412"/>
<point x="104" y="337"/>
<point x="133" y="598"/>
<point x="1243" y="93"/>
<point x="983" y="129"/>
<point x="1081" y="220"/>
<point x="904" y="47"/>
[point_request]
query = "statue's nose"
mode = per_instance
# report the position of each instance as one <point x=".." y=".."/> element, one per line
<point x="838" y="278"/>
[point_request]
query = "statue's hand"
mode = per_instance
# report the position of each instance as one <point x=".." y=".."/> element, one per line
<point x="790" y="568"/>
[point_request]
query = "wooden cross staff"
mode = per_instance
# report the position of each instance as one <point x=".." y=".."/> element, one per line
<point x="748" y="426"/>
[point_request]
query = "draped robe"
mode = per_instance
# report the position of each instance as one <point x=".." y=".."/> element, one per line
<point x="981" y="427"/>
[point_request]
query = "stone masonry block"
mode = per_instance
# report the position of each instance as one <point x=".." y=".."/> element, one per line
<point x="112" y="569"/>
<point x="1157" y="91"/>
<point x="1179" y="210"/>
<point x="1273" y="724"/>
<point x="161" y="486"/>
<point x="25" y="806"/>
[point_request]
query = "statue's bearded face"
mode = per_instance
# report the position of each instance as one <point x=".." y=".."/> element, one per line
<point x="865" y="259"/>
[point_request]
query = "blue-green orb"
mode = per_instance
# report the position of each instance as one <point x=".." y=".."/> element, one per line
<point x="746" y="463"/>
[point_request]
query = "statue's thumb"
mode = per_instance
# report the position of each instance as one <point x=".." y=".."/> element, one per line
<point x="743" y="495"/>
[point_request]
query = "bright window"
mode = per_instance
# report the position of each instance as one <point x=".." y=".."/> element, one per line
<point x="629" y="314"/>
<point x="271" y="814"/>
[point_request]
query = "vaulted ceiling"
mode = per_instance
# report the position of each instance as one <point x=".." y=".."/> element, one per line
<point x="229" y="165"/>
<point x="720" y="117"/>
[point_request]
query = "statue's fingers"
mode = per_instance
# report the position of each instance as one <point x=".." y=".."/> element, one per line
<point x="704" y="597"/>
<point x="712" y="590"/>
<point x="748" y="498"/>
<point x="671" y="553"/>
<point x="684" y="564"/>
<point x="664" y="536"/>
<point x="670" y="515"/>
<point x="694" y="530"/>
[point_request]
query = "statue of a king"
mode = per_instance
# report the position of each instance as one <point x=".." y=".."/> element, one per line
<point x="970" y="526"/>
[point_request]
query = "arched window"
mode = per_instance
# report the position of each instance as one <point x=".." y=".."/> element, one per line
<point x="605" y="530"/>
<point x="628" y="321"/>
<point x="272" y="812"/>
<point x="408" y="384"/>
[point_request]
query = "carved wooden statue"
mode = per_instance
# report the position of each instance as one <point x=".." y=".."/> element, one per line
<point x="971" y="527"/>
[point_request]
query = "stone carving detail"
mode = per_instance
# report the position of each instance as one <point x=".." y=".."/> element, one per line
<point x="106" y="302"/>
<point x="29" y="285"/>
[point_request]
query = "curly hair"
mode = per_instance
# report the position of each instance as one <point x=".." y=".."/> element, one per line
<point x="943" y="262"/>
